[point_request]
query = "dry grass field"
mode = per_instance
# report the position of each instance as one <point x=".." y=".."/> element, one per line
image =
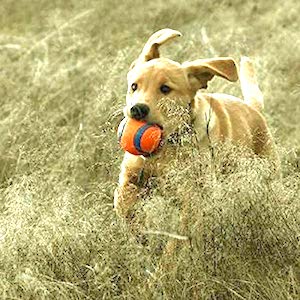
<point x="63" y="68"/>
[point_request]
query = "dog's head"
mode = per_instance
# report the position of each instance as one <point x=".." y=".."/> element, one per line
<point x="160" y="90"/>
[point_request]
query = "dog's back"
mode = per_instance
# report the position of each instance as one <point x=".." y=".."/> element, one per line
<point x="238" y="120"/>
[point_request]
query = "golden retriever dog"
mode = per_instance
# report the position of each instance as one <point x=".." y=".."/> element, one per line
<point x="167" y="93"/>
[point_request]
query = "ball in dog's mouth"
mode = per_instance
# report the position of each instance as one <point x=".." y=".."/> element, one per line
<point x="140" y="137"/>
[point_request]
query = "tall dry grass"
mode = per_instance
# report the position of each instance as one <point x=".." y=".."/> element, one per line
<point x="62" y="75"/>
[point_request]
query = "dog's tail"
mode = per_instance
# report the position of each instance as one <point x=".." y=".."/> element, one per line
<point x="250" y="89"/>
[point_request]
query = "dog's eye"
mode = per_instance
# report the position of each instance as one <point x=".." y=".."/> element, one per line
<point x="134" y="87"/>
<point x="165" y="89"/>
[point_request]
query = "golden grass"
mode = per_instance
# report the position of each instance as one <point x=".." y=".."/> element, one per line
<point x="63" y="70"/>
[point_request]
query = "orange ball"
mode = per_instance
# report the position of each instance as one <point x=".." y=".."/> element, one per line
<point x="139" y="137"/>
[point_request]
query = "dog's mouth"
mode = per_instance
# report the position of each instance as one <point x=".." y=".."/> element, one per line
<point x="151" y="121"/>
<point x="160" y="126"/>
<point x="149" y="118"/>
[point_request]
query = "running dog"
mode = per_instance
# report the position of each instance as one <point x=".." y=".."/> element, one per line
<point x="166" y="93"/>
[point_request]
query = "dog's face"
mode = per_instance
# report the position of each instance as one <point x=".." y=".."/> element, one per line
<point x="160" y="90"/>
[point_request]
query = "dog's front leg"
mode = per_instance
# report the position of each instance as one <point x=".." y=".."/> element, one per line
<point x="127" y="192"/>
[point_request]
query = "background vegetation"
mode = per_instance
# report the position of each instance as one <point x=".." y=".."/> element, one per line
<point x="63" y="71"/>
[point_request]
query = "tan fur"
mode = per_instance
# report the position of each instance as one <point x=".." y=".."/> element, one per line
<point x="214" y="117"/>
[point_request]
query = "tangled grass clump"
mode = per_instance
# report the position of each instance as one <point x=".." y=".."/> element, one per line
<point x="241" y="222"/>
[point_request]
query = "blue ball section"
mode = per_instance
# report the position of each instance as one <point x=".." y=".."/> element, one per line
<point x="138" y="137"/>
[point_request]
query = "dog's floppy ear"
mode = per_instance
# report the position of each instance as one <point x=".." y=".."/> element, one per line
<point x="200" y="71"/>
<point x="150" y="50"/>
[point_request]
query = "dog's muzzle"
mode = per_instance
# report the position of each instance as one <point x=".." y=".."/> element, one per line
<point x="139" y="111"/>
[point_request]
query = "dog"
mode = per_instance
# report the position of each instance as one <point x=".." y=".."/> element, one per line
<point x="167" y="93"/>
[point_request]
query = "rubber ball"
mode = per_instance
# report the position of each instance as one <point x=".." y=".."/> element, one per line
<point x="139" y="137"/>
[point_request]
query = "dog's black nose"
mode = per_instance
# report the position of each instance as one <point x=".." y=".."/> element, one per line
<point x="139" y="111"/>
